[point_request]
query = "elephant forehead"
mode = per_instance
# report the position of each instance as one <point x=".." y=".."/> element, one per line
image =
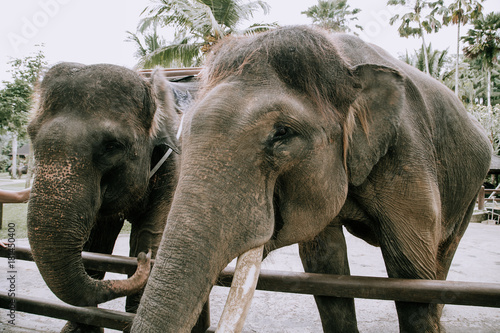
<point x="76" y="122"/>
<point x="234" y="108"/>
<point x="91" y="87"/>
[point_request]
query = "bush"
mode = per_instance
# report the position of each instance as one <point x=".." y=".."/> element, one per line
<point x="490" y="121"/>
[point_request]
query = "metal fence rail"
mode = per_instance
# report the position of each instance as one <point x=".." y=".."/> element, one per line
<point x="422" y="291"/>
<point x="91" y="316"/>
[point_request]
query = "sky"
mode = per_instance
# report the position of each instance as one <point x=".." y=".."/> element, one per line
<point x="94" y="31"/>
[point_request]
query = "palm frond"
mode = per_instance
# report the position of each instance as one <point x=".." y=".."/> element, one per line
<point x="183" y="54"/>
<point x="206" y="21"/>
<point x="197" y="23"/>
<point x="258" y="28"/>
<point x="246" y="10"/>
<point x="133" y="38"/>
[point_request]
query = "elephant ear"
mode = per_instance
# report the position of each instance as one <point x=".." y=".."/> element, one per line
<point x="166" y="115"/>
<point x="377" y="113"/>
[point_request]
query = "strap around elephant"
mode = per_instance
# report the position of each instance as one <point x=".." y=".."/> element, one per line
<point x="169" y="151"/>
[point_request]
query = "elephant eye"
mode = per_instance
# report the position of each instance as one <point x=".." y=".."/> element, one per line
<point x="111" y="146"/>
<point x="281" y="132"/>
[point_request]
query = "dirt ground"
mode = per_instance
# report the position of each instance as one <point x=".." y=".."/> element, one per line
<point x="477" y="260"/>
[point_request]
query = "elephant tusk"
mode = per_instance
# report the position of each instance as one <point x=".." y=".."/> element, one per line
<point x="241" y="293"/>
<point x="169" y="151"/>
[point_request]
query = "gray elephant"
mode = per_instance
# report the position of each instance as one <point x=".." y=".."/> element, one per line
<point x="97" y="133"/>
<point x="297" y="133"/>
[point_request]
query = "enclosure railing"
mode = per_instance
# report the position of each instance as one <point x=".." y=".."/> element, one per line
<point x="487" y="195"/>
<point x="422" y="291"/>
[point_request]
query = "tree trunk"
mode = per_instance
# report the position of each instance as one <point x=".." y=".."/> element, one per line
<point x="458" y="59"/>
<point x="13" y="168"/>
<point x="488" y="90"/>
<point x="426" y="56"/>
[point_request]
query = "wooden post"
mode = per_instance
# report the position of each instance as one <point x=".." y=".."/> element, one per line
<point x="480" y="199"/>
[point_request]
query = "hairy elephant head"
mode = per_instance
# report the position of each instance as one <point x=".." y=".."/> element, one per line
<point x="266" y="160"/>
<point x="94" y="135"/>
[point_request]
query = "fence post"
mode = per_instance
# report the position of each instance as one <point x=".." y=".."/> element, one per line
<point x="480" y="199"/>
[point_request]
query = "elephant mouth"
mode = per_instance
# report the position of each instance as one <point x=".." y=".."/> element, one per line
<point x="278" y="219"/>
<point x="278" y="226"/>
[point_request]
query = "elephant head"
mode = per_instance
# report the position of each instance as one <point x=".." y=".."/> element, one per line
<point x="285" y="127"/>
<point x="94" y="135"/>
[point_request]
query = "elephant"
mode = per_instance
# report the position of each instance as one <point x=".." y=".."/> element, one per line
<point x="296" y="133"/>
<point x="97" y="132"/>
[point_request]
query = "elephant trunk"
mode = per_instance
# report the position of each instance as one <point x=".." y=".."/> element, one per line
<point x="206" y="228"/>
<point x="61" y="213"/>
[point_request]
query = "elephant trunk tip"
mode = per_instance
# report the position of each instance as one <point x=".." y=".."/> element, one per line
<point x="132" y="285"/>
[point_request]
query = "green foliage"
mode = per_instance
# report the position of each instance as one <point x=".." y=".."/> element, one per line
<point x="421" y="17"/>
<point x="474" y="80"/>
<point x="15" y="103"/>
<point x="28" y="69"/>
<point x="490" y="121"/>
<point x="17" y="214"/>
<point x="483" y="40"/>
<point x="198" y="25"/>
<point x="333" y="15"/>
<point x="438" y="60"/>
<point x="461" y="11"/>
<point x="483" y="43"/>
<point x="16" y="96"/>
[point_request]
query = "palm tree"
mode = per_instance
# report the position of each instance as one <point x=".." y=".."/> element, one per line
<point x="333" y="15"/>
<point x="459" y="12"/>
<point x="198" y="25"/>
<point x="424" y="24"/>
<point x="146" y="44"/>
<point x="483" y="43"/>
<point x="437" y="61"/>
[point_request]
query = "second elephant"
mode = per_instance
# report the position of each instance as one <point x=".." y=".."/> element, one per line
<point x="97" y="133"/>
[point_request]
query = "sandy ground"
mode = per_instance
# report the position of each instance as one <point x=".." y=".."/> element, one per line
<point x="477" y="260"/>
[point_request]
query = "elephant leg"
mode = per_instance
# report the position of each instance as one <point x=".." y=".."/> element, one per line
<point x="410" y="252"/>
<point x="448" y="248"/>
<point x="327" y="254"/>
<point x="146" y="235"/>
<point x="102" y="240"/>
<point x="447" y="251"/>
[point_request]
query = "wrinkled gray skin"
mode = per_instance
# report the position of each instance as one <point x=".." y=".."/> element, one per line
<point x="297" y="133"/>
<point x="97" y="133"/>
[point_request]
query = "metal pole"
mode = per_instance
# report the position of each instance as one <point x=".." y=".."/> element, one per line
<point x="87" y="315"/>
<point x="421" y="291"/>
